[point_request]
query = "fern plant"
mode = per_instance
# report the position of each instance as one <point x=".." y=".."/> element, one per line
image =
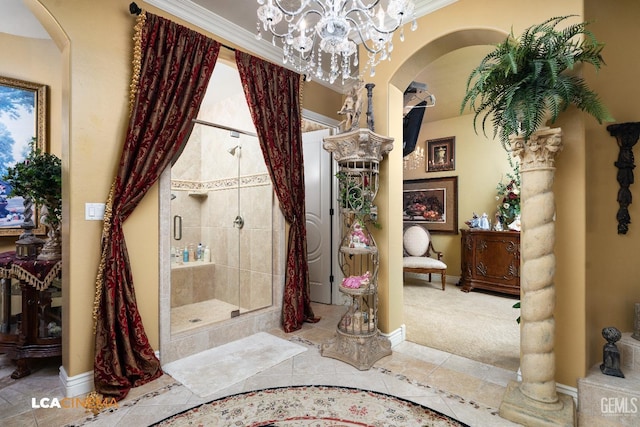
<point x="527" y="79"/>
<point x="39" y="177"/>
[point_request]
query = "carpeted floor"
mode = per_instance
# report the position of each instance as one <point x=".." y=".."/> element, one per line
<point x="317" y="406"/>
<point x="477" y="325"/>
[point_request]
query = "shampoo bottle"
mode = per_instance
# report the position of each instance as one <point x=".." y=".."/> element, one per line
<point x="185" y="254"/>
<point x="207" y="254"/>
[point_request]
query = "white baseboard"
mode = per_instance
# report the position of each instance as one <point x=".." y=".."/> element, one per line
<point x="568" y="390"/>
<point x="80" y="384"/>
<point x="76" y="385"/>
<point x="397" y="336"/>
<point x="560" y="388"/>
<point x="454" y="280"/>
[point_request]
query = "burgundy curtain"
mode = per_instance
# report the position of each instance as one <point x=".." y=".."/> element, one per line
<point x="175" y="64"/>
<point x="273" y="95"/>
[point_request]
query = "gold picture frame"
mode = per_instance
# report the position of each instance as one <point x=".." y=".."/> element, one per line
<point x="431" y="202"/>
<point x="23" y="118"/>
<point x="441" y="154"/>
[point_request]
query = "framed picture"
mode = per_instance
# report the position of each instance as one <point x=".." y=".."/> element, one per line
<point x="441" y="154"/>
<point x="23" y="107"/>
<point x="432" y="203"/>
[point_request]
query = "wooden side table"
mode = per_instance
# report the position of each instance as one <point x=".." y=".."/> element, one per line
<point x="30" y="310"/>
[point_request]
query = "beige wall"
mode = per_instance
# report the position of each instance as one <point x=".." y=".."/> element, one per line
<point x="97" y="73"/>
<point x="612" y="267"/>
<point x="468" y="22"/>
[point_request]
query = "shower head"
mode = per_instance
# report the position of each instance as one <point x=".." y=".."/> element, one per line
<point x="173" y="196"/>
<point x="233" y="149"/>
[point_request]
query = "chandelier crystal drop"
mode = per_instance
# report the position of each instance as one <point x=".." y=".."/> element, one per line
<point x="313" y="32"/>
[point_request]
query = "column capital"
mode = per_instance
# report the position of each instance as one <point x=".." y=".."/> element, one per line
<point x="539" y="151"/>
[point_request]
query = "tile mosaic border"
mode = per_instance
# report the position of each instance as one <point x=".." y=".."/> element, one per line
<point x="221" y="184"/>
<point x="445" y="395"/>
<point x="442" y="393"/>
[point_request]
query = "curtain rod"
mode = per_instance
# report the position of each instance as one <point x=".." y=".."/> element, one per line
<point x="223" y="127"/>
<point x="134" y="9"/>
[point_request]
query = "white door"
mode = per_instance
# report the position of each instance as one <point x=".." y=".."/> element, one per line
<point x="318" y="181"/>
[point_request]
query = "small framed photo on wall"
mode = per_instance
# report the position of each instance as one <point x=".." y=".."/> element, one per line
<point x="441" y="154"/>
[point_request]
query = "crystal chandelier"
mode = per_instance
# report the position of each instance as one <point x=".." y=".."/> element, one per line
<point x="315" y="30"/>
<point x="414" y="160"/>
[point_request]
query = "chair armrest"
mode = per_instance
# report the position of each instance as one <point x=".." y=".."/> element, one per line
<point x="431" y="250"/>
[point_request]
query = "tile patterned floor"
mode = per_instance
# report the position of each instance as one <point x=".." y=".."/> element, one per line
<point x="464" y="389"/>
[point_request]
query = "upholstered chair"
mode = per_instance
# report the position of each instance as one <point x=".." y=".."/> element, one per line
<point x="419" y="254"/>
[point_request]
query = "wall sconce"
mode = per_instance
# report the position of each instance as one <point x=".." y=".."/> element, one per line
<point x="414" y="160"/>
<point x="626" y="135"/>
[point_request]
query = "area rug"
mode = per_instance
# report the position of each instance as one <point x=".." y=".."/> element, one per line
<point x="213" y="370"/>
<point x="311" y="406"/>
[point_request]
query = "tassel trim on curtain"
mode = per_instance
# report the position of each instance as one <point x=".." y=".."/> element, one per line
<point x="106" y="234"/>
<point x="137" y="59"/>
<point x="108" y="210"/>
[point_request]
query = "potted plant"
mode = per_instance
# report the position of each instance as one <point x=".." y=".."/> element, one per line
<point x="528" y="79"/>
<point x="355" y="196"/>
<point x="39" y="178"/>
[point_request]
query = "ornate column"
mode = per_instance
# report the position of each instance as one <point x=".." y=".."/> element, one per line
<point x="534" y="401"/>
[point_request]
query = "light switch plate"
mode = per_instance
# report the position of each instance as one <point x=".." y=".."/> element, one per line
<point x="94" y="211"/>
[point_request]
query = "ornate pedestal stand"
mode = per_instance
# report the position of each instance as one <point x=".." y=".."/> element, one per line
<point x="535" y="401"/>
<point x="358" y="340"/>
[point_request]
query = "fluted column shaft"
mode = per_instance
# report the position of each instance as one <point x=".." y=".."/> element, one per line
<point x="537" y="288"/>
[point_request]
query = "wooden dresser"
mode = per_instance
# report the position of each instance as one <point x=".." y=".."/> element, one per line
<point x="491" y="261"/>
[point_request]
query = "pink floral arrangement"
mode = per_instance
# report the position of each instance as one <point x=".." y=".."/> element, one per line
<point x="358" y="238"/>
<point x="354" y="282"/>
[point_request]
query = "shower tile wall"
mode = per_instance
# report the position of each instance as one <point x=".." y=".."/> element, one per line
<point x="242" y="275"/>
<point x="211" y="166"/>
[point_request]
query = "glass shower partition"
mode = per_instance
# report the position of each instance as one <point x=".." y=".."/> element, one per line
<point x="221" y="226"/>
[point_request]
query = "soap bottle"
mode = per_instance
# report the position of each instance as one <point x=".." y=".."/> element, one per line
<point x="207" y="254"/>
<point x="185" y="254"/>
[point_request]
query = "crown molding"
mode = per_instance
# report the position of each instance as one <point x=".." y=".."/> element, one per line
<point x="425" y="7"/>
<point x="215" y="24"/>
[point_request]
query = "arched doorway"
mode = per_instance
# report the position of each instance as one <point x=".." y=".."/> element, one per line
<point x="444" y="64"/>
